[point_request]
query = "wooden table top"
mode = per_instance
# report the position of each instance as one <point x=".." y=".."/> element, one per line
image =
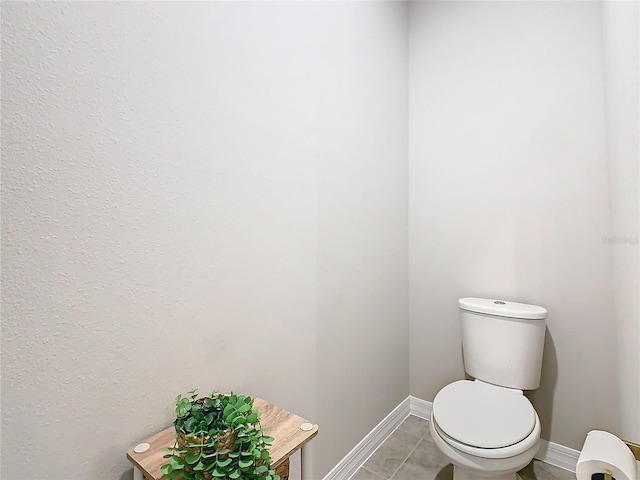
<point x="283" y="426"/>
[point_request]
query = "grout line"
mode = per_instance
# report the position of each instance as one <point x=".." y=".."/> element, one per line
<point x="406" y="458"/>
<point x="420" y="439"/>
<point x="373" y="453"/>
<point x="412" y="450"/>
<point x="372" y="473"/>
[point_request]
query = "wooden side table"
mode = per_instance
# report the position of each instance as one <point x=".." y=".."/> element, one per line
<point x="283" y="426"/>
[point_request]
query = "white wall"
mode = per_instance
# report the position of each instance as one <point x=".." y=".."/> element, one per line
<point x="508" y="194"/>
<point x="215" y="195"/>
<point x="621" y="45"/>
<point x="363" y="321"/>
<point x="178" y="212"/>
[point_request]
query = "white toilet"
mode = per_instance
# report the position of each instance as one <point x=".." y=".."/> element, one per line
<point x="486" y="426"/>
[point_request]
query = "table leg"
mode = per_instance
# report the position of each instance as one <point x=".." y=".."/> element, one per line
<point x="305" y="464"/>
<point x="137" y="474"/>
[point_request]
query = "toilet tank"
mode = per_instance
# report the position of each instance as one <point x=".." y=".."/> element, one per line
<point x="502" y="342"/>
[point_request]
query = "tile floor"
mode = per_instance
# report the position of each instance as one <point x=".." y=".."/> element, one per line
<point x="410" y="454"/>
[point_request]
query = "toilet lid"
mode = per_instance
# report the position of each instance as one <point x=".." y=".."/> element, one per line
<point x="483" y="415"/>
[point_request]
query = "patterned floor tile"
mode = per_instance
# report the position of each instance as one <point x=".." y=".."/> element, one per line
<point x="425" y="462"/>
<point x="415" y="426"/>
<point x="364" y="474"/>
<point x="390" y="455"/>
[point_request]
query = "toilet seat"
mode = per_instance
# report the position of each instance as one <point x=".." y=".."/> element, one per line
<point x="485" y="420"/>
<point x="533" y="440"/>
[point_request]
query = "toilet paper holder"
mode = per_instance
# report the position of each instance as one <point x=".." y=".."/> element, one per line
<point x="635" y="449"/>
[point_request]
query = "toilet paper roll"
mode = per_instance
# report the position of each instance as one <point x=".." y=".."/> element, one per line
<point x="603" y="452"/>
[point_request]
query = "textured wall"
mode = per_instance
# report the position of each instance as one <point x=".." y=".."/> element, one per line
<point x="508" y="194"/>
<point x="169" y="175"/>
<point x="621" y="44"/>
<point x="215" y="195"/>
<point x="363" y="320"/>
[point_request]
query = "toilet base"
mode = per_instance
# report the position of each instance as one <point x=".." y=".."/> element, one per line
<point x="460" y="473"/>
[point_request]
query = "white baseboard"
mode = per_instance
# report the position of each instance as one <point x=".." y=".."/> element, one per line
<point x="558" y="455"/>
<point x="551" y="453"/>
<point x="376" y="437"/>
<point x="420" y="408"/>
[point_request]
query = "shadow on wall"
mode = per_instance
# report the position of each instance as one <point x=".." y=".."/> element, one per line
<point x="542" y="398"/>
<point x="128" y="475"/>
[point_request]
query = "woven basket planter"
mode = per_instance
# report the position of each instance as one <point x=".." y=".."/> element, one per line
<point x="193" y="445"/>
<point x="226" y="442"/>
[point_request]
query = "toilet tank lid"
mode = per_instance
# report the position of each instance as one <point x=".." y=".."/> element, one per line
<point x="503" y="308"/>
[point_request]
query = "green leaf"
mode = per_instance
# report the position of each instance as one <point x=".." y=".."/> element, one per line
<point x="219" y="473"/>
<point x="191" y="424"/>
<point x="199" y="466"/>
<point x="244" y="408"/>
<point x="225" y="462"/>
<point x="177" y="463"/>
<point x="192" y="458"/>
<point x="230" y="417"/>
<point x="173" y="474"/>
<point x="244" y="463"/>
<point x="235" y="474"/>
<point x="227" y="410"/>
<point x="166" y="469"/>
<point x="261" y="469"/>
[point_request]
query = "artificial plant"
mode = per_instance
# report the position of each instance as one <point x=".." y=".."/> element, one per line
<point x="218" y="437"/>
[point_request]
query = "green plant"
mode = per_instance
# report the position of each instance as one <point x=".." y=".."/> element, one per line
<point x="218" y="437"/>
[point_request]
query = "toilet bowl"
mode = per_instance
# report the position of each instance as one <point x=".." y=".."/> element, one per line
<point x="485" y="430"/>
<point x="487" y="427"/>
